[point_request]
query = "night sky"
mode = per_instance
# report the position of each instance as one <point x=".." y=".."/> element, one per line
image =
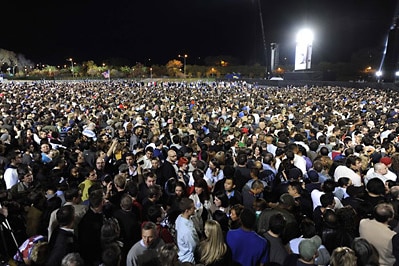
<point x="156" y="31"/>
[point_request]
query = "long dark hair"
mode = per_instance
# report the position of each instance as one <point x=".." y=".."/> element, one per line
<point x="205" y="195"/>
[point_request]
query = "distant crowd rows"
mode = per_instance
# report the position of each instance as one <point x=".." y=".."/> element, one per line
<point x="197" y="173"/>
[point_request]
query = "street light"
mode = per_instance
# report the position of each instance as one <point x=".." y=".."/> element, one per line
<point x="184" y="63"/>
<point x="70" y="59"/>
<point x="151" y="72"/>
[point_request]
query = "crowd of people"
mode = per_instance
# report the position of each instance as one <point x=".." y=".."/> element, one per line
<point x="197" y="173"/>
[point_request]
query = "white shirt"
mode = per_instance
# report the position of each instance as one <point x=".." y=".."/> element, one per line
<point x="371" y="174"/>
<point x="10" y="177"/>
<point x="344" y="171"/>
<point x="300" y="162"/>
<point x="316" y="194"/>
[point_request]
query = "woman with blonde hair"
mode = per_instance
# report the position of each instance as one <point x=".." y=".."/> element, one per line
<point x="343" y="256"/>
<point x="213" y="250"/>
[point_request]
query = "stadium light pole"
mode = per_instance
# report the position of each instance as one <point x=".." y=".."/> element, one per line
<point x="13" y="70"/>
<point x="184" y="63"/>
<point x="396" y="77"/>
<point x="378" y="75"/>
<point x="70" y="59"/>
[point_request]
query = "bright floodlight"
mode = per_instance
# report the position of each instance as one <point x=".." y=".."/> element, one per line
<point x="305" y="36"/>
<point x="303" y="50"/>
<point x="397" y="73"/>
<point x="378" y="73"/>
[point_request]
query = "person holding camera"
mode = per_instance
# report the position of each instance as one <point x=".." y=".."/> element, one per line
<point x="145" y="160"/>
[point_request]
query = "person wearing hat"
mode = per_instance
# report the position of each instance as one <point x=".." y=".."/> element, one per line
<point x="390" y="175"/>
<point x="307" y="230"/>
<point x="308" y="250"/>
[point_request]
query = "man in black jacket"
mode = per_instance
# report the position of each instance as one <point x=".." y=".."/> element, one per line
<point x="62" y="240"/>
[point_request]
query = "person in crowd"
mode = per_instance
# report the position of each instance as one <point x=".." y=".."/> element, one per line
<point x="145" y="251"/>
<point x="150" y="179"/>
<point x="234" y="196"/>
<point x="378" y="233"/>
<point x="277" y="251"/>
<point x="156" y="214"/>
<point x="221" y="202"/>
<point x="89" y="229"/>
<point x="285" y="206"/>
<point x="119" y="189"/>
<point x="235" y="212"/>
<point x="90" y="175"/>
<point x="72" y="259"/>
<point x="167" y="255"/>
<point x="213" y="250"/>
<point x="214" y="173"/>
<point x="250" y="194"/>
<point x="62" y="240"/>
<point x="351" y="169"/>
<point x="153" y="198"/>
<point x="187" y="237"/>
<point x="203" y="201"/>
<point x="247" y="246"/>
<point x="11" y="174"/>
<point x="242" y="172"/>
<point x="365" y="252"/>
<point x="73" y="198"/>
<point x="343" y="256"/>
<point x="168" y="168"/>
<point x="129" y="224"/>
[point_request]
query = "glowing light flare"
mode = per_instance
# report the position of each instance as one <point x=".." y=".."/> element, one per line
<point x="305" y="36"/>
